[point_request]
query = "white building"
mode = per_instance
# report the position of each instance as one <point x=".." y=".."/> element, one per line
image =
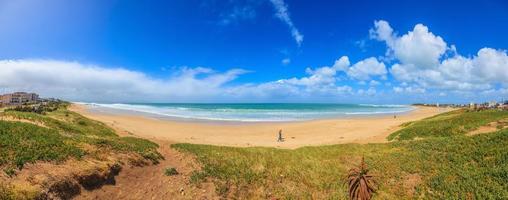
<point x="18" y="98"/>
<point x="492" y="104"/>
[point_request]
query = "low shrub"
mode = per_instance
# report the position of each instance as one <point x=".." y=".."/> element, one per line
<point x="170" y="171"/>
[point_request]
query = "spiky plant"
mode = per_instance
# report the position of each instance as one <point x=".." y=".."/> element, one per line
<point x="361" y="184"/>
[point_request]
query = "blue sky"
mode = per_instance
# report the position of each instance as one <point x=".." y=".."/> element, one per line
<point x="256" y="50"/>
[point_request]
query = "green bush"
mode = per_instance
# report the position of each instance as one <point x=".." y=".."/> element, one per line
<point x="40" y="108"/>
<point x="9" y="171"/>
<point x="170" y="171"/>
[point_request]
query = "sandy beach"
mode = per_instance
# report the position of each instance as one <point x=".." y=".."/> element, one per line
<point x="372" y="129"/>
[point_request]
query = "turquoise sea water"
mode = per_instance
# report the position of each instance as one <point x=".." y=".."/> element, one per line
<point x="255" y="112"/>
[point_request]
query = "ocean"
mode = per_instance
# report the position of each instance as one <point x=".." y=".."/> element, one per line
<point x="251" y="112"/>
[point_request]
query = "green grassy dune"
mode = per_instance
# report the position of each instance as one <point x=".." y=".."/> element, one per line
<point x="21" y="143"/>
<point x="63" y="134"/>
<point x="27" y="137"/>
<point x="445" y="165"/>
<point x="448" y="124"/>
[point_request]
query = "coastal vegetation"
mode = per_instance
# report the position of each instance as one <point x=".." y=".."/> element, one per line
<point x="448" y="124"/>
<point x="361" y="183"/>
<point x="170" y="171"/>
<point x="59" y="135"/>
<point x="448" y="165"/>
<point x="39" y="108"/>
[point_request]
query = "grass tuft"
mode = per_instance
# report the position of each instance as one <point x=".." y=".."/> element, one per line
<point x="170" y="171"/>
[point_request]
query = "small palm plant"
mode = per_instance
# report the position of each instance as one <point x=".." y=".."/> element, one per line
<point x="361" y="184"/>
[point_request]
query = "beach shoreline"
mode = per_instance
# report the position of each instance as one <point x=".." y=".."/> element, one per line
<point x="247" y="113"/>
<point x="355" y="129"/>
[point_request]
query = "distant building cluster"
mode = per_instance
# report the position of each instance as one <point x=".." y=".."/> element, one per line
<point x="19" y="98"/>
<point x="502" y="105"/>
<point x="489" y="105"/>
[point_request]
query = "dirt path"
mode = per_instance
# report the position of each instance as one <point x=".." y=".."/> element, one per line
<point x="491" y="127"/>
<point x="149" y="182"/>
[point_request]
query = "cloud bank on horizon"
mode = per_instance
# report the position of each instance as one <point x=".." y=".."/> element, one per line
<point x="420" y="62"/>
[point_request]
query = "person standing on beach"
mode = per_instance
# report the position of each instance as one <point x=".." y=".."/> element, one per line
<point x="280" y="139"/>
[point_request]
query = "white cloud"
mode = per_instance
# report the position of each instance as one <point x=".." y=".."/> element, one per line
<point x="415" y="90"/>
<point x="236" y="14"/>
<point x="284" y="90"/>
<point x="398" y="89"/>
<point x="418" y="47"/>
<point x="366" y="69"/>
<point x="319" y="76"/>
<point x="82" y="82"/>
<point x="323" y="80"/>
<point x="363" y="70"/>
<point x="286" y="61"/>
<point x="344" y="89"/>
<point x="382" y="31"/>
<point x="421" y="60"/>
<point x="374" y="83"/>
<point x="409" y="89"/>
<point x="479" y="72"/>
<point x="342" y="64"/>
<point x="76" y="81"/>
<point x="282" y="13"/>
<point x="370" y="92"/>
<point x="491" y="65"/>
<point x="500" y="91"/>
